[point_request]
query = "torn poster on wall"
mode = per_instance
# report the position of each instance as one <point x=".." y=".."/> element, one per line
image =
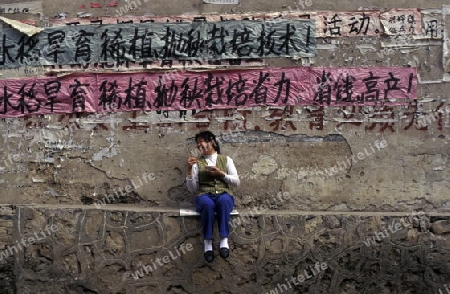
<point x="33" y="7"/>
<point x="433" y="25"/>
<point x="402" y="22"/>
<point x="208" y="90"/>
<point x="328" y="23"/>
<point x="121" y="43"/>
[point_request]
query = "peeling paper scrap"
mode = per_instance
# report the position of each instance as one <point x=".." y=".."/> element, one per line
<point x="112" y="4"/>
<point x="221" y="1"/>
<point x="29" y="30"/>
<point x="105" y="152"/>
<point x="96" y="5"/>
<point x="446" y="45"/>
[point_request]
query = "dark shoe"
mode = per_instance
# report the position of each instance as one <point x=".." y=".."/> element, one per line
<point x="209" y="256"/>
<point x="224" y="252"/>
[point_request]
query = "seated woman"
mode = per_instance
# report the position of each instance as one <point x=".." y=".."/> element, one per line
<point x="211" y="176"/>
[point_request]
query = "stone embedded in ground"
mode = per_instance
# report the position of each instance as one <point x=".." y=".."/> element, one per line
<point x="441" y="227"/>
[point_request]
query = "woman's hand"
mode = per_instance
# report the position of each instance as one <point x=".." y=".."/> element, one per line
<point x="191" y="161"/>
<point x="214" y="171"/>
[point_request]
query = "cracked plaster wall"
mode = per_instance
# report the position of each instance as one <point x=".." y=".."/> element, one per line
<point x="65" y="160"/>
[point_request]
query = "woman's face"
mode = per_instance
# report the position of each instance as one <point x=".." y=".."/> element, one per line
<point x="205" y="147"/>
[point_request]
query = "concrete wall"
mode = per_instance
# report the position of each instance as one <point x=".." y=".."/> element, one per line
<point x="55" y="168"/>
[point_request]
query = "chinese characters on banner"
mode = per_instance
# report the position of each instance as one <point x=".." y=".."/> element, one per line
<point x="369" y="23"/>
<point x="328" y="24"/>
<point x="208" y="90"/>
<point x="145" y="42"/>
<point x="402" y="22"/>
<point x="348" y="24"/>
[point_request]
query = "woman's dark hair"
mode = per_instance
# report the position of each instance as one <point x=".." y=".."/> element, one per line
<point x="208" y="136"/>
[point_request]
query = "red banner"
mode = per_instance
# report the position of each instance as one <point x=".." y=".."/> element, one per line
<point x="208" y="90"/>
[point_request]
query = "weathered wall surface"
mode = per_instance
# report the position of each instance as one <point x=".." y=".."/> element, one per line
<point x="93" y="251"/>
<point x="112" y="183"/>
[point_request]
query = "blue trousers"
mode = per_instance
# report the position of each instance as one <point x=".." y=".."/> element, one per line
<point x="207" y="205"/>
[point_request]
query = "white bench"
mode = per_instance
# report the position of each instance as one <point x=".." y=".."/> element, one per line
<point x="191" y="212"/>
